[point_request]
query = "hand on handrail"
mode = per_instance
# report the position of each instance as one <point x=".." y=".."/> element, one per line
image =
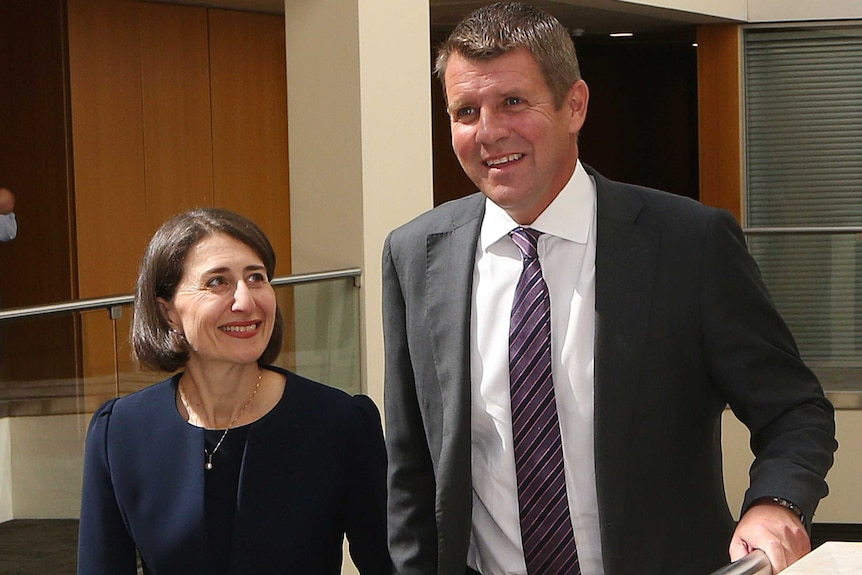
<point x="755" y="563"/>
<point x="773" y="528"/>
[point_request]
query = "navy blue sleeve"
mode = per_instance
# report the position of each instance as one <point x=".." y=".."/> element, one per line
<point x="104" y="543"/>
<point x="366" y="516"/>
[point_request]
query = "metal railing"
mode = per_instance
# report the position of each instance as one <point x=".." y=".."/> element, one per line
<point x="801" y="230"/>
<point x="72" y="356"/>
<point x="111" y="302"/>
<point x="755" y="563"/>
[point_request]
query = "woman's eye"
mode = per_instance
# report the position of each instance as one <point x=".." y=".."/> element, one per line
<point x="256" y="279"/>
<point x="217" y="283"/>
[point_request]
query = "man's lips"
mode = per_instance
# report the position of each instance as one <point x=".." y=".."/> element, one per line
<point x="503" y="160"/>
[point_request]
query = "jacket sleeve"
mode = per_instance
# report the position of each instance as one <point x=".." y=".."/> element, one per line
<point x="104" y="543"/>
<point x="754" y="358"/>
<point x="411" y="481"/>
<point x="366" y="523"/>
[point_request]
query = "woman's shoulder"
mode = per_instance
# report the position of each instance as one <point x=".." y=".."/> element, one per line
<point x="140" y="402"/>
<point x="315" y="399"/>
<point x="132" y="414"/>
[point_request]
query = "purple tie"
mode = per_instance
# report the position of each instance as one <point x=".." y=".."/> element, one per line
<point x="546" y="526"/>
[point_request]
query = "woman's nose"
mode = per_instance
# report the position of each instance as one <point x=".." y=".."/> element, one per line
<point x="242" y="298"/>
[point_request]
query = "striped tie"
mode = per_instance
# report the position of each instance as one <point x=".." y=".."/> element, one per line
<point x="546" y="526"/>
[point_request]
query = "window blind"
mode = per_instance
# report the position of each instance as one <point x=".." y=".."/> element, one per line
<point x="803" y="142"/>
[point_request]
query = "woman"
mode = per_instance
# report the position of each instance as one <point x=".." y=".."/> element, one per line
<point x="231" y="466"/>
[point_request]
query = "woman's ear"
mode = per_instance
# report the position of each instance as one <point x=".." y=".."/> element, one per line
<point x="167" y="310"/>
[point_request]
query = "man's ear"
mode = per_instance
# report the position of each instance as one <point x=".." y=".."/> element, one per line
<point x="577" y="99"/>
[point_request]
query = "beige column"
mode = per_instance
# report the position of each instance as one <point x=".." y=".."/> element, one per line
<point x="359" y="125"/>
<point x="359" y="121"/>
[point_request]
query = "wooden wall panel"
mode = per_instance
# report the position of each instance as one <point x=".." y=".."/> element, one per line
<point x="719" y="88"/>
<point x="108" y="130"/>
<point x="249" y="122"/>
<point x="38" y="266"/>
<point x="176" y="109"/>
<point x="110" y="205"/>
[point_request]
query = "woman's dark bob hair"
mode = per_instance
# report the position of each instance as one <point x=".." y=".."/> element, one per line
<point x="162" y="266"/>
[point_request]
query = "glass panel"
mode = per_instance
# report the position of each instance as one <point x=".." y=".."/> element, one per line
<point x="38" y="366"/>
<point x="815" y="282"/>
<point x="321" y="337"/>
<point x="60" y="377"/>
<point x="325" y="332"/>
<point x="72" y="363"/>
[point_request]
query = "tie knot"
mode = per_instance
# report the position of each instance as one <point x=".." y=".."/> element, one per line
<point x="527" y="240"/>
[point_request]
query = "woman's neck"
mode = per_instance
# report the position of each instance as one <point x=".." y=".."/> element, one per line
<point x="218" y="398"/>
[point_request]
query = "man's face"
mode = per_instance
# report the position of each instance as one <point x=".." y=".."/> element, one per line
<point x="511" y="140"/>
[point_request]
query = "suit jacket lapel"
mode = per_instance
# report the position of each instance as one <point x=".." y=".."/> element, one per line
<point x="450" y="257"/>
<point x="626" y="254"/>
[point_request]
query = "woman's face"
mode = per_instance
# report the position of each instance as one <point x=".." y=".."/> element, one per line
<point x="224" y="303"/>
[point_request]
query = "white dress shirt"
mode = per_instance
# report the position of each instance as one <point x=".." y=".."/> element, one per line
<point x="8" y="227"/>
<point x="567" y="251"/>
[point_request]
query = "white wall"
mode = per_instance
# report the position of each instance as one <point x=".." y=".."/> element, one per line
<point x="762" y="10"/>
<point x="41" y="461"/>
<point x="732" y="9"/>
<point x="790" y="10"/>
<point x="45" y="466"/>
<point x="359" y="121"/>
<point x="5" y="471"/>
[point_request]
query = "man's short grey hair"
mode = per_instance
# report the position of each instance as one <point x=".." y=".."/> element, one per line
<point x="503" y="27"/>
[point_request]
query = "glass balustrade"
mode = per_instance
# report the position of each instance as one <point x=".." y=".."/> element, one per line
<point x="60" y="362"/>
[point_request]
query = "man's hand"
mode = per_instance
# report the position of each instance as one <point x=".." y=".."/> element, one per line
<point x="774" y="529"/>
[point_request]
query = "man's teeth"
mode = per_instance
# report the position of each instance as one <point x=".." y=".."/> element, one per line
<point x="504" y="160"/>
<point x="239" y="327"/>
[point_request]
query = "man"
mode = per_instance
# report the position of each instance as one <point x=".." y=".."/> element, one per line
<point x="8" y="223"/>
<point x="658" y="319"/>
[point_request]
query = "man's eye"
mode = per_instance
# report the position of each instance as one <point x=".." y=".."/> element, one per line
<point x="514" y="101"/>
<point x="466" y="113"/>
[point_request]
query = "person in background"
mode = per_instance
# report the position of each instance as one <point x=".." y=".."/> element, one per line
<point x="560" y="349"/>
<point x="8" y="222"/>
<point x="231" y="466"/>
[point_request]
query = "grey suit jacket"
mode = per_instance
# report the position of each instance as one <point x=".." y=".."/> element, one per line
<point x="684" y="327"/>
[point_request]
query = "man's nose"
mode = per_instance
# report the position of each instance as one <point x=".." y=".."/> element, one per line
<point x="492" y="127"/>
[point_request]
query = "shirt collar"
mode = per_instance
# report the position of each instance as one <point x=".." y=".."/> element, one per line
<point x="569" y="216"/>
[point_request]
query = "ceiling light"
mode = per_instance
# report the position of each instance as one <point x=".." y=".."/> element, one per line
<point x="621" y="34"/>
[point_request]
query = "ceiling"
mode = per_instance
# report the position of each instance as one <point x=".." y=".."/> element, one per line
<point x="590" y="18"/>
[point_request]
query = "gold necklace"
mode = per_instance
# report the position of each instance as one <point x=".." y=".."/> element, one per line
<point x="208" y="465"/>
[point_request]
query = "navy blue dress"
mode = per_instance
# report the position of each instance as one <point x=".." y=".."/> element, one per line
<point x="312" y="471"/>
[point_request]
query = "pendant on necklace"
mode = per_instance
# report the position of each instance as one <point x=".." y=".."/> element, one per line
<point x="208" y="466"/>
